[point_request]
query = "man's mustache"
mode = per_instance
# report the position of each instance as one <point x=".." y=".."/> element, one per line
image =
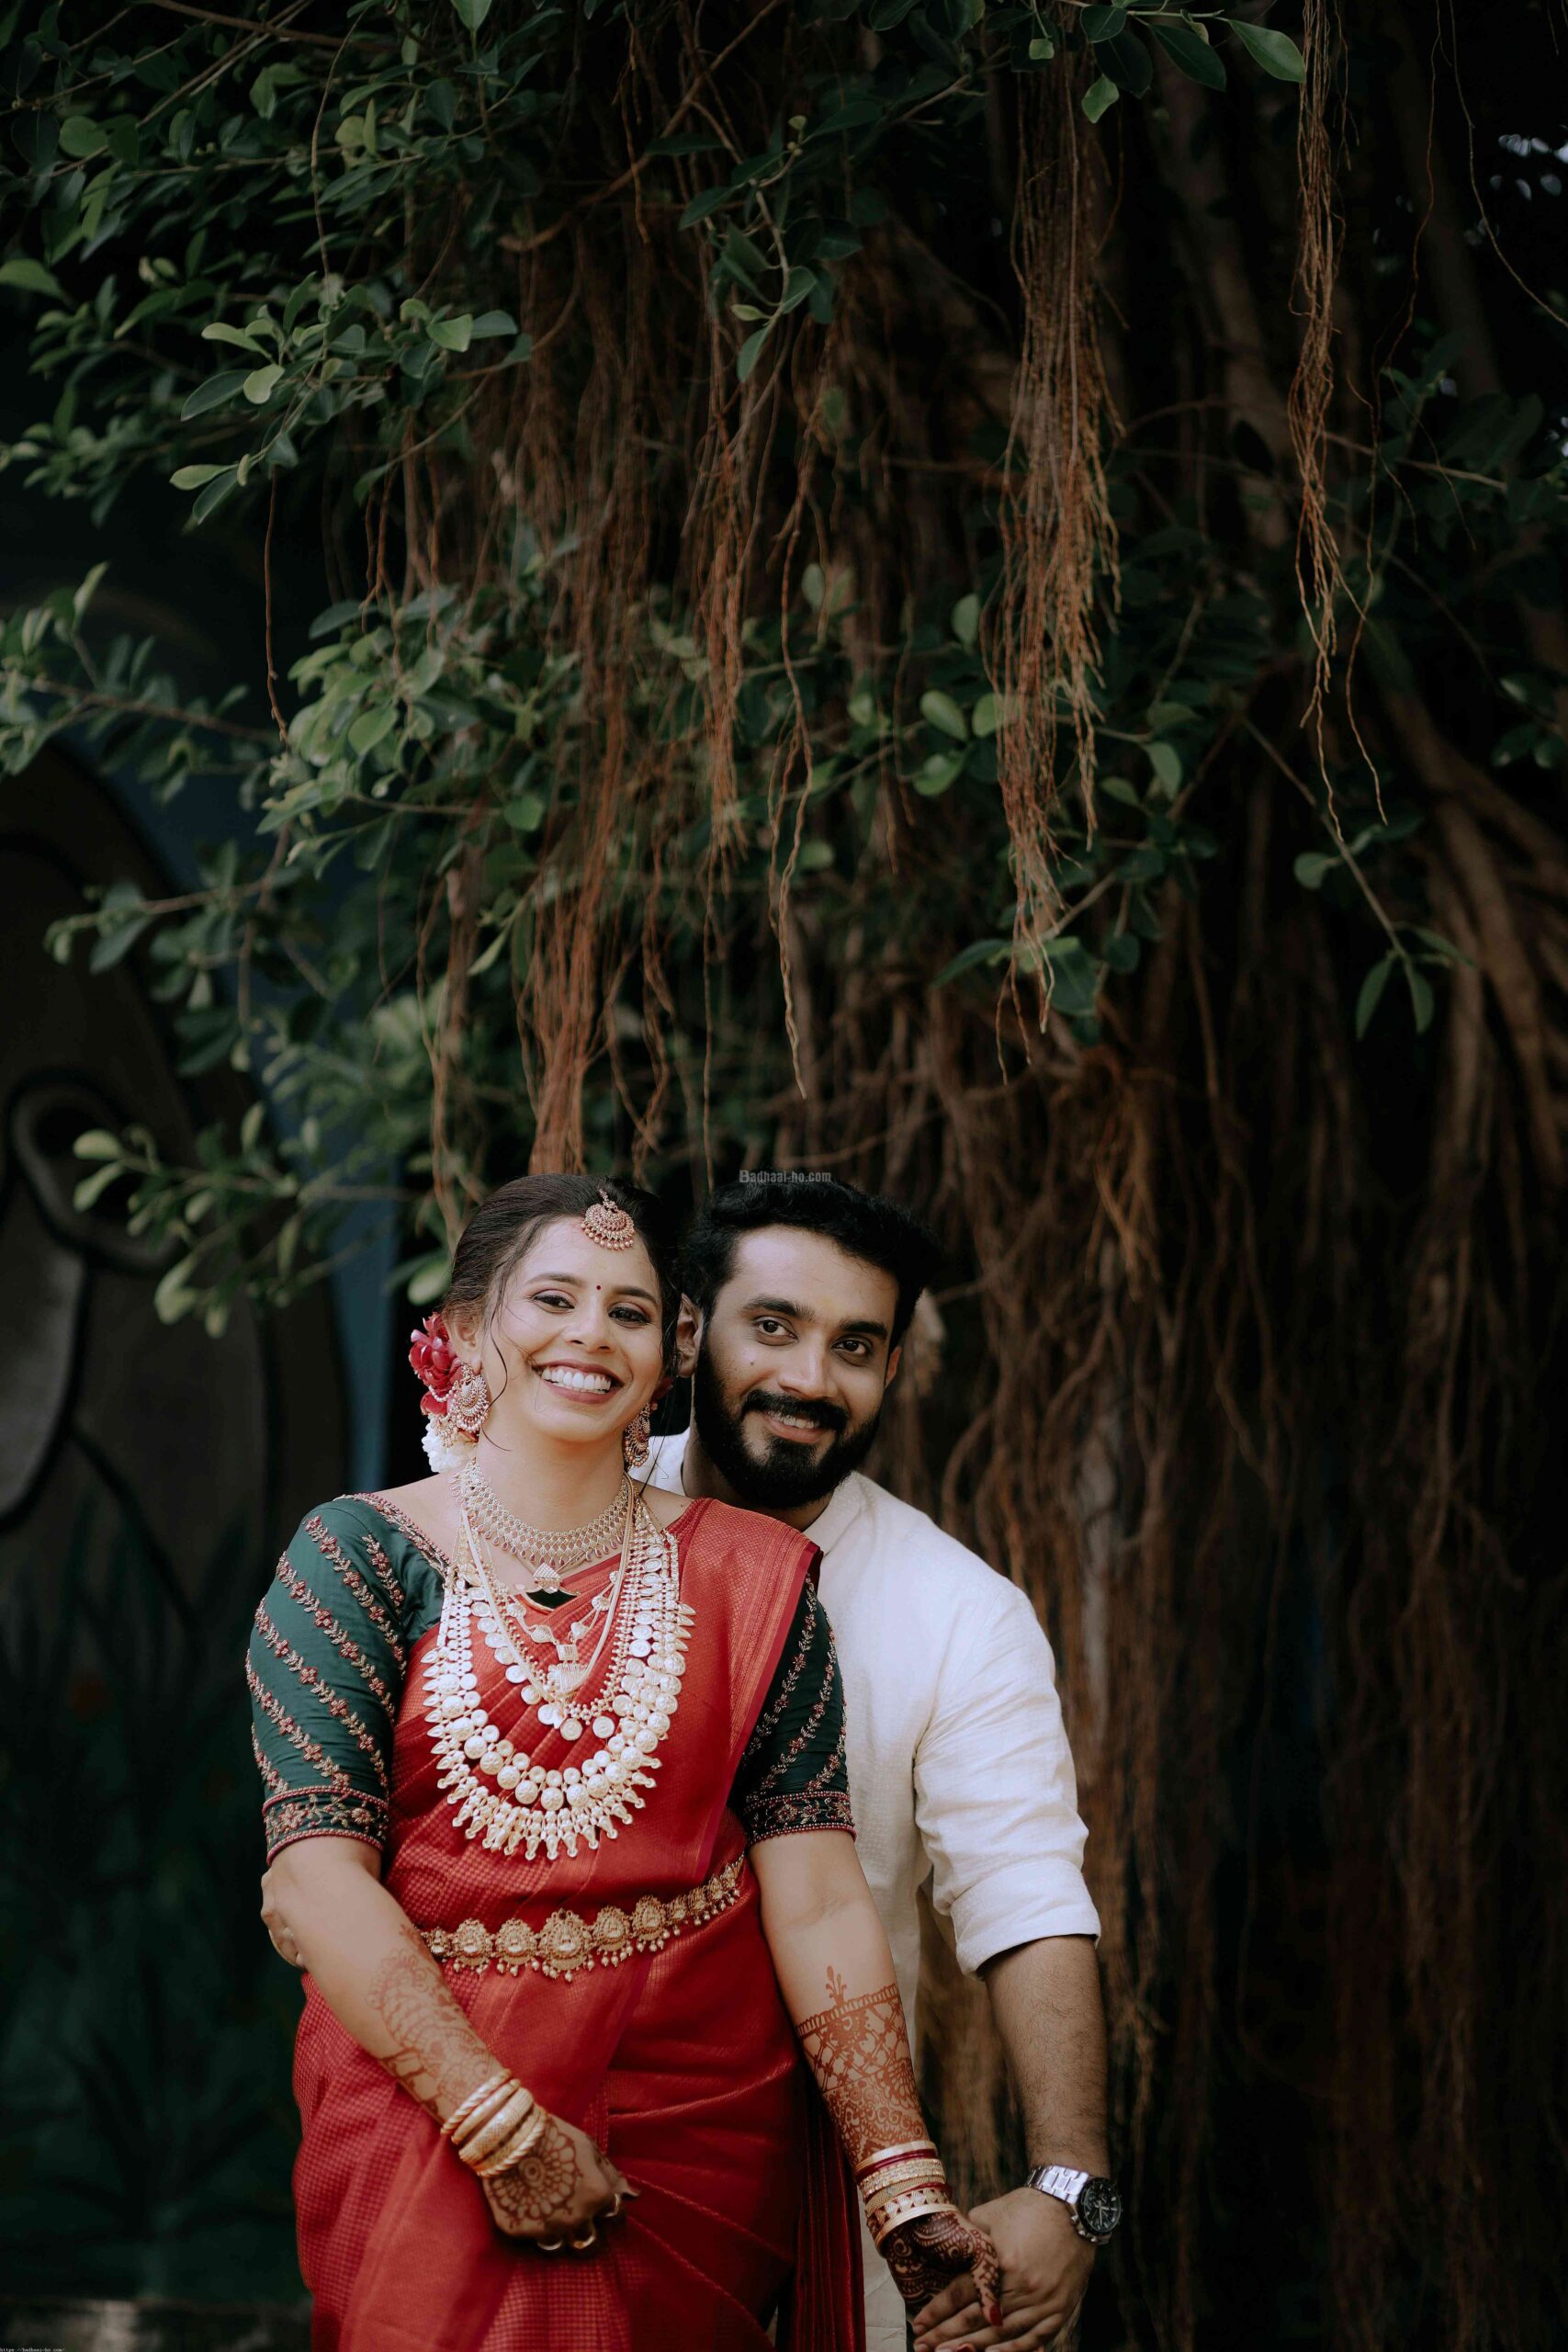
<point x="826" y="1416"/>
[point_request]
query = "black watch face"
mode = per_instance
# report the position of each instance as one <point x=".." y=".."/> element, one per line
<point x="1098" y="2208"/>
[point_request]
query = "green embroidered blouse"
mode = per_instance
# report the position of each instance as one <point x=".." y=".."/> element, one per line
<point x="355" y="1591"/>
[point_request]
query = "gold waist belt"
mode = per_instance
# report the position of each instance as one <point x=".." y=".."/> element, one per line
<point x="568" y="1942"/>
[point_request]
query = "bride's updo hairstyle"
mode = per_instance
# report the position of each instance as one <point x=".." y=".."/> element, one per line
<point x="503" y="1229"/>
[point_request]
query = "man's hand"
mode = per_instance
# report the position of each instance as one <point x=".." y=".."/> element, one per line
<point x="1046" y="2269"/>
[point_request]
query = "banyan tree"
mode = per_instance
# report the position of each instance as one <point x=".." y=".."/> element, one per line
<point x="971" y="596"/>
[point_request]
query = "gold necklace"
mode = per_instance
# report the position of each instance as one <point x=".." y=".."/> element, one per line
<point x="549" y="1553"/>
<point x="498" y="1792"/>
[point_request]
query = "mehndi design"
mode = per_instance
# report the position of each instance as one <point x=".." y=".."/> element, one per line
<point x="858" y="2049"/>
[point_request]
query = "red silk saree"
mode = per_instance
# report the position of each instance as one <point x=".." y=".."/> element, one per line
<point x="661" y="2033"/>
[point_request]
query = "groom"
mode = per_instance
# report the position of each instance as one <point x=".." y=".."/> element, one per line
<point x="799" y="1292"/>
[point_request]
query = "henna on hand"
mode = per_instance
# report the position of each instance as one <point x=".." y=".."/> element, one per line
<point x="927" y="2254"/>
<point x="434" y="2051"/>
<point x="540" y="2184"/>
<point x="859" y="2051"/>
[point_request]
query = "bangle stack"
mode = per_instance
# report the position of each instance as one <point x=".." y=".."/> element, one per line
<point x="899" y="2185"/>
<point x="495" y="2126"/>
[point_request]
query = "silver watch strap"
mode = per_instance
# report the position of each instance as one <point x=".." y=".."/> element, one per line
<point x="1059" y="2180"/>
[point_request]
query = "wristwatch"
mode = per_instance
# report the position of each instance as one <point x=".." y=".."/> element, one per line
<point x="1095" y="2204"/>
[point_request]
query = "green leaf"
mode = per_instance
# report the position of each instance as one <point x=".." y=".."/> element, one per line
<point x="87" y="1190"/>
<point x="751" y="351"/>
<point x="1276" y="52"/>
<point x="218" y="331"/>
<point x="173" y="1296"/>
<point x="261" y="383"/>
<point x="1165" y="762"/>
<point x="979" y="951"/>
<point x="429" y="1278"/>
<point x="1121" y="951"/>
<point x="966" y="619"/>
<point x="97" y="1143"/>
<point x="798" y="284"/>
<point x="1186" y="48"/>
<point x="1422" y="1004"/>
<point x="80" y="136"/>
<point x="1117" y="787"/>
<point x="84" y="595"/>
<point x="111" y="947"/>
<point x="991" y="713"/>
<point x="525" y="810"/>
<point x="195" y="477"/>
<point x="1099" y="97"/>
<point x="371" y="725"/>
<point x="216" y="491"/>
<point x="1371" y="997"/>
<point x="494" y="322"/>
<point x="1314" y="866"/>
<point x="30" y="275"/>
<point x="1127" y="60"/>
<point x="1103" y="23"/>
<point x="702" y="208"/>
<point x="213" y="393"/>
<point x="941" y="712"/>
<point x="938" y="773"/>
<point x="472" y="12"/>
<point x="442" y="100"/>
<point x="452" y="335"/>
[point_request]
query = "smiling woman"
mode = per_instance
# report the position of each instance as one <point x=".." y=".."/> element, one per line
<point x="528" y="1726"/>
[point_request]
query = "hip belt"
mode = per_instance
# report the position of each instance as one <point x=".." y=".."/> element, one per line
<point x="568" y="1942"/>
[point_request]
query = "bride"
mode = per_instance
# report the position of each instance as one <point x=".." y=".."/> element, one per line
<point x="557" y="1824"/>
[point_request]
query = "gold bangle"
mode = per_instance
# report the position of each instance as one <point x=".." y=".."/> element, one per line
<point x="895" y="2154"/>
<point x="498" y="2130"/>
<point x="485" y="2114"/>
<point x="918" y="2172"/>
<point x="527" y="2137"/>
<point x="905" y="2205"/>
<point x="467" y="2109"/>
<point x="482" y="2114"/>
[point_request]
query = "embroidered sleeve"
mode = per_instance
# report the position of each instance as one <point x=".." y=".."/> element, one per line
<point x="792" y="1775"/>
<point x="325" y="1671"/>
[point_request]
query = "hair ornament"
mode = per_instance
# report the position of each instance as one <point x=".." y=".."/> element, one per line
<point x="457" y="1396"/>
<point x="607" y="1223"/>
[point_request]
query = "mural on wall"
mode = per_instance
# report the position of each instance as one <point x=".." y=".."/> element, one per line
<point x="148" y="1474"/>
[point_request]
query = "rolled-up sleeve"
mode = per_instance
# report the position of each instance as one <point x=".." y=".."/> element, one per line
<point x="995" y="1796"/>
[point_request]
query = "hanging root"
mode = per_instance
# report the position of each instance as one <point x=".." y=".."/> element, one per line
<point x="1056" y="529"/>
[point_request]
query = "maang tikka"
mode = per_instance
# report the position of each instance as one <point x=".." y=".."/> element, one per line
<point x="606" y="1222"/>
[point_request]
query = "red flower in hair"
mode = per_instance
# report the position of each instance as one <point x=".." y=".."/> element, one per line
<point x="432" y="1356"/>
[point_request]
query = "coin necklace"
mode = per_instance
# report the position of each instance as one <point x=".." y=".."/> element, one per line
<point x="498" y="1792"/>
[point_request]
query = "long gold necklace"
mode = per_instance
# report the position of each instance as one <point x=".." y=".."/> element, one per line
<point x="498" y="1792"/>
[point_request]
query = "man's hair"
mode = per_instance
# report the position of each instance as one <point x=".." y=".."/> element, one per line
<point x="862" y="1224"/>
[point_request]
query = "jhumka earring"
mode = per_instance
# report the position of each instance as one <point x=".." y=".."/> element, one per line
<point x="457" y="1396"/>
<point x="635" y="1439"/>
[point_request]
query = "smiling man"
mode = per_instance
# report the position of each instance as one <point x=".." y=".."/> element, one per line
<point x="799" y="1292"/>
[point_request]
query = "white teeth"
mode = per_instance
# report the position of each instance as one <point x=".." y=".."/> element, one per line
<point x="794" y="1421"/>
<point x="588" y="1384"/>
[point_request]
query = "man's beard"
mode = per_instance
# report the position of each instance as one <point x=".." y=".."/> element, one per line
<point x="786" y="1475"/>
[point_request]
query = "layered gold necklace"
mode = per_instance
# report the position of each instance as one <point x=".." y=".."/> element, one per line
<point x="500" y="1794"/>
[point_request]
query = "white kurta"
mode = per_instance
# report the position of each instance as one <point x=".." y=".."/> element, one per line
<point x="959" y="1766"/>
